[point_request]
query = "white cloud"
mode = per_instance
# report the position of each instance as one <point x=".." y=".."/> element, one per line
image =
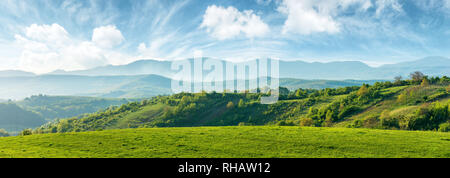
<point x="225" y="23"/>
<point x="46" y="48"/>
<point x="107" y="36"/>
<point x="54" y="34"/>
<point x="326" y="16"/>
<point x="383" y="5"/>
<point x="263" y="2"/>
<point x="312" y="16"/>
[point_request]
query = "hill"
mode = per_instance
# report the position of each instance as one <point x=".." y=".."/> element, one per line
<point x="52" y="107"/>
<point x="231" y="142"/>
<point x="36" y="110"/>
<point x="343" y="107"/>
<point x="14" y="119"/>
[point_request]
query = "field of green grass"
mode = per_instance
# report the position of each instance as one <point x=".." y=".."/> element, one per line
<point x="232" y="142"/>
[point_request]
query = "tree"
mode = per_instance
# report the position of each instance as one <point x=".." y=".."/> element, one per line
<point x="363" y="91"/>
<point x="401" y="98"/>
<point x="26" y="132"/>
<point x="306" y="122"/>
<point x="424" y="82"/>
<point x="284" y="91"/>
<point x="230" y="105"/>
<point x="241" y="103"/>
<point x="300" y="94"/>
<point x="417" y="76"/>
<point x="328" y="119"/>
<point x="398" y="79"/>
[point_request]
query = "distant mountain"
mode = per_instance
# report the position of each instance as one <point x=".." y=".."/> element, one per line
<point x="330" y="71"/>
<point x="433" y="66"/>
<point x="15" y="73"/>
<point x="141" y="67"/>
<point x="293" y="84"/>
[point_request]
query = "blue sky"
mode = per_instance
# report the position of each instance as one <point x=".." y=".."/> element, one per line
<point x="45" y="35"/>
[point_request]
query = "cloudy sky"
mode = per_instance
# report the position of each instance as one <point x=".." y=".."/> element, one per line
<point x="45" y="35"/>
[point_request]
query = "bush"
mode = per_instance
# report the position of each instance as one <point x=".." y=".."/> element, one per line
<point x="387" y="121"/>
<point x="230" y="105"/>
<point x="307" y="122"/>
<point x="26" y="132"/>
<point x="356" y="124"/>
<point x="370" y="122"/>
<point x="3" y="133"/>
<point x="285" y="123"/>
<point x="444" y="127"/>
<point x="348" y="111"/>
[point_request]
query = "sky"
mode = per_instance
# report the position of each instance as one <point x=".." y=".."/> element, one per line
<point x="41" y="36"/>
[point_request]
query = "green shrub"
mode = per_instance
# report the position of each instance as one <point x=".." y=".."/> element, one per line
<point x="387" y="121"/>
<point x="444" y="127"/>
<point x="348" y="111"/>
<point x="285" y="123"/>
<point x="356" y="124"/>
<point x="307" y="122"/>
<point x="242" y="124"/>
<point x="26" y="132"/>
<point x="370" y="122"/>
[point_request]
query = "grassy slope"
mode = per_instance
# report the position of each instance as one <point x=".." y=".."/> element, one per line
<point x="393" y="106"/>
<point x="231" y="142"/>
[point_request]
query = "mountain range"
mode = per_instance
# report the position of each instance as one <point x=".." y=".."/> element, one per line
<point x="341" y="70"/>
<point x="147" y="78"/>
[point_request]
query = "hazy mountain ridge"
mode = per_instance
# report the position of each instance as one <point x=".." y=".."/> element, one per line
<point x="339" y="70"/>
<point x="15" y="73"/>
<point x="132" y="80"/>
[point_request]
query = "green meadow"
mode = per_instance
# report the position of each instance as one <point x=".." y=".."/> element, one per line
<point x="231" y="142"/>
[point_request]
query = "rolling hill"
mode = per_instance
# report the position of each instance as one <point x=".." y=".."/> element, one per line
<point x="36" y="110"/>
<point x="53" y="107"/>
<point x="344" y="107"/>
<point x="14" y="119"/>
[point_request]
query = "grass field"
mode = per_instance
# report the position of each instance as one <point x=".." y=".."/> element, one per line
<point x="231" y="142"/>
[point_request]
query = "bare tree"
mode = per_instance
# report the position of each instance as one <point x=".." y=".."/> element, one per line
<point x="417" y="76"/>
<point x="398" y="79"/>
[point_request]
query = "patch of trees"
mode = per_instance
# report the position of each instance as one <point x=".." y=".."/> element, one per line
<point x="427" y="117"/>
